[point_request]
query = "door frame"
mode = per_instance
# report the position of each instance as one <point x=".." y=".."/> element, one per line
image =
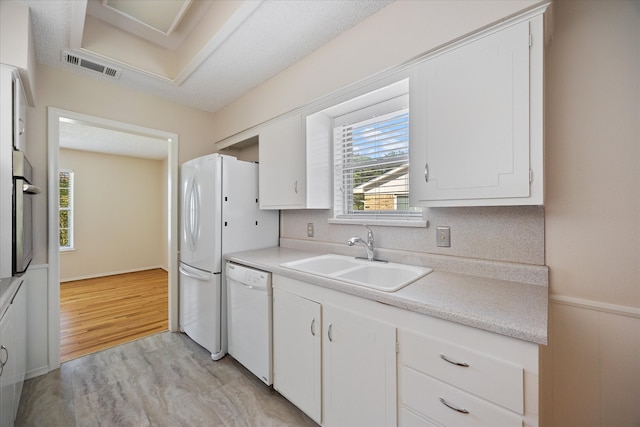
<point x="53" y="137"/>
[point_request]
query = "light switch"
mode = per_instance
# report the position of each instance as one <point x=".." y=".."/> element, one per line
<point x="443" y="237"/>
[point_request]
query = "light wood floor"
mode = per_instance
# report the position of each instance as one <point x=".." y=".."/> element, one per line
<point x="100" y="313"/>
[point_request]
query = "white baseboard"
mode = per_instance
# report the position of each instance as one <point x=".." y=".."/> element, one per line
<point x="112" y="273"/>
<point x="37" y="372"/>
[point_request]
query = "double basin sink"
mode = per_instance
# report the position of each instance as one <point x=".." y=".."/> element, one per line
<point x="382" y="276"/>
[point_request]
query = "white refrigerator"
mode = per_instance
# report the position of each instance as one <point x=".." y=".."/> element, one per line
<point x="220" y="214"/>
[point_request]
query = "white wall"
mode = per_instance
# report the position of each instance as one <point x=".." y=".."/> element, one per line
<point x="119" y="214"/>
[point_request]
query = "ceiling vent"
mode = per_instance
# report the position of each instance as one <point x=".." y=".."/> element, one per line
<point x="78" y="61"/>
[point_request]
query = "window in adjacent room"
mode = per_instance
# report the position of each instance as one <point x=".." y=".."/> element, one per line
<point x="65" y="206"/>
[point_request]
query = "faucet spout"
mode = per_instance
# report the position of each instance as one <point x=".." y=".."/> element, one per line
<point x="368" y="244"/>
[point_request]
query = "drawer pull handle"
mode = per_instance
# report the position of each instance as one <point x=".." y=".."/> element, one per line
<point x="313" y="327"/>
<point x="450" y="406"/>
<point x="453" y="362"/>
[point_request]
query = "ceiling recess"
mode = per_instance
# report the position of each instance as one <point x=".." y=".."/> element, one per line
<point x="78" y="61"/>
<point x="163" y="16"/>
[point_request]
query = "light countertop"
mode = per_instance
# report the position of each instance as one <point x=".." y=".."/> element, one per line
<point x="514" y="309"/>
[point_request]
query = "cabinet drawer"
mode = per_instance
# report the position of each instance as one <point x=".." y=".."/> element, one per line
<point x="493" y="379"/>
<point x="427" y="396"/>
<point x="407" y="418"/>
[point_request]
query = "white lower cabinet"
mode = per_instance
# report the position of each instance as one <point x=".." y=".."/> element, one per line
<point x="359" y="369"/>
<point x="357" y="362"/>
<point x="7" y="367"/>
<point x="349" y="361"/>
<point x="13" y="356"/>
<point x="297" y="324"/>
<point x="457" y="383"/>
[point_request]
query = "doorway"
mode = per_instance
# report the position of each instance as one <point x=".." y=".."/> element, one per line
<point x="61" y="121"/>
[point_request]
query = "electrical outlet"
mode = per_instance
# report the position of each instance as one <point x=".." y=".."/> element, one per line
<point x="310" y="229"/>
<point x="443" y="237"/>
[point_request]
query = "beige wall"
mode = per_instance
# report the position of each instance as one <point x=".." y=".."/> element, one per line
<point x="593" y="151"/>
<point x="17" y="46"/>
<point x="591" y="369"/>
<point x="118" y="209"/>
<point x="102" y="98"/>
<point x="396" y="34"/>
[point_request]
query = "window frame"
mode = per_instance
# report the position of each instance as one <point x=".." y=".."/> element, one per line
<point x="345" y="165"/>
<point x="380" y="101"/>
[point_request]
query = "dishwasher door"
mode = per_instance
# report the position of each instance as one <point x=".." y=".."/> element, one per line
<point x="249" y="316"/>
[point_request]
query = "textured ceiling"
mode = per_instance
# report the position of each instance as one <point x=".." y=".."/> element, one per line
<point x="274" y="36"/>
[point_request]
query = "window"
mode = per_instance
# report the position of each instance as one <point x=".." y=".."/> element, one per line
<point x="372" y="164"/>
<point x="65" y="206"/>
<point x="369" y="133"/>
<point x="371" y="160"/>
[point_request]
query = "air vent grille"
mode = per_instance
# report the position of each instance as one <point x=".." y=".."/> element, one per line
<point x="78" y="61"/>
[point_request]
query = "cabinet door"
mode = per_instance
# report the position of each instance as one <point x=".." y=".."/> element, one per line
<point x="19" y="306"/>
<point x="359" y="360"/>
<point x="296" y="351"/>
<point x="7" y="375"/>
<point x="470" y="122"/>
<point x="282" y="164"/>
<point x="20" y="117"/>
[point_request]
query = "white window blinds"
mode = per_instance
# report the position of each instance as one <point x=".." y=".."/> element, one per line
<point x="371" y="162"/>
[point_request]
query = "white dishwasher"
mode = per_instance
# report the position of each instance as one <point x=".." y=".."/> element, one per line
<point x="249" y="314"/>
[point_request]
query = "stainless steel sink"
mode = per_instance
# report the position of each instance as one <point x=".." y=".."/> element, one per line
<point x="388" y="277"/>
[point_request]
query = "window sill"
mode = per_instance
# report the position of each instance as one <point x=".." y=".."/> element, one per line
<point x="417" y="223"/>
<point x="67" y="250"/>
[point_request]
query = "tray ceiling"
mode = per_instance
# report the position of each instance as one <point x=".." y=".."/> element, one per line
<point x="202" y="53"/>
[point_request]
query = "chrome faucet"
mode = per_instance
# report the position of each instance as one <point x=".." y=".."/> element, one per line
<point x="368" y="245"/>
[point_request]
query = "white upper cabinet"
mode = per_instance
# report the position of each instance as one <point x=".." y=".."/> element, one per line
<point x="294" y="170"/>
<point x="476" y="121"/>
<point x="20" y="116"/>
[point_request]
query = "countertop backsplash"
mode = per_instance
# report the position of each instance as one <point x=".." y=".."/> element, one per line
<point x="513" y="234"/>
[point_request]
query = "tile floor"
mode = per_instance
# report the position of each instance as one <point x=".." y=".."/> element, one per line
<point x="162" y="380"/>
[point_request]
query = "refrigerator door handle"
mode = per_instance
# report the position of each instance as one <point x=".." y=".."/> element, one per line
<point x="191" y="219"/>
<point x="195" y="231"/>
<point x="186" y="212"/>
<point x="204" y="277"/>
